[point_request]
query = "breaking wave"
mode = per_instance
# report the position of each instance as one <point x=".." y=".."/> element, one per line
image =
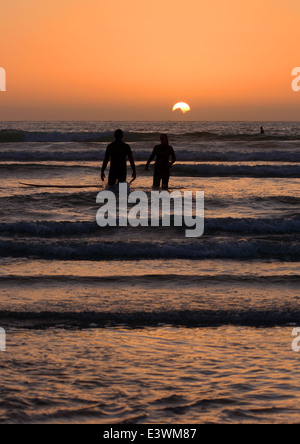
<point x="69" y="154"/>
<point x="15" y="135"/>
<point x="285" y="250"/>
<point x="208" y="170"/>
<point x="260" y="226"/>
<point x="140" y="319"/>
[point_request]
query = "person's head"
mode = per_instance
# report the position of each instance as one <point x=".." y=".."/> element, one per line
<point x="119" y="134"/>
<point x="164" y="139"/>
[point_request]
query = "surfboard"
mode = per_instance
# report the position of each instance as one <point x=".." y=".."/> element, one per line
<point x="36" y="185"/>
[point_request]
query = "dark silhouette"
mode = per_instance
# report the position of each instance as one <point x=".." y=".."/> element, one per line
<point x="262" y="131"/>
<point x="117" y="152"/>
<point x="162" y="154"/>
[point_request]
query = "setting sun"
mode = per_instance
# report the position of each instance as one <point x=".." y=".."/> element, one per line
<point x="184" y="107"/>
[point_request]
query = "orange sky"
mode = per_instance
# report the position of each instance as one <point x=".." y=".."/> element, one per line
<point x="133" y="59"/>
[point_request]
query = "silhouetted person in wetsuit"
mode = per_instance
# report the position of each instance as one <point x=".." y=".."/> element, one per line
<point x="162" y="154"/>
<point x="262" y="131"/>
<point x="117" y="152"/>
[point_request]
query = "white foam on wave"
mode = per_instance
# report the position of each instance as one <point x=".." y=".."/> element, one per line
<point x="200" y="249"/>
<point x="189" y="318"/>
<point x="212" y="225"/>
<point x="69" y="154"/>
<point x="209" y="170"/>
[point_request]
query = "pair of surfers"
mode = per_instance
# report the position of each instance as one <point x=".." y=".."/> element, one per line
<point x="118" y="152"/>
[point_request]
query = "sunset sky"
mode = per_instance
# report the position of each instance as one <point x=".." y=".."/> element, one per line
<point x="134" y="59"/>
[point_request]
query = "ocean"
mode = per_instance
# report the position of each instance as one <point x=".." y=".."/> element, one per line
<point x="142" y="324"/>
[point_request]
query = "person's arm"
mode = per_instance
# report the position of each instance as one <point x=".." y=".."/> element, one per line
<point x="131" y="160"/>
<point x="150" y="158"/>
<point x="173" y="155"/>
<point x="105" y="162"/>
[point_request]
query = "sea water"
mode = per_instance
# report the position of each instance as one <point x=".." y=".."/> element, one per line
<point x="141" y="324"/>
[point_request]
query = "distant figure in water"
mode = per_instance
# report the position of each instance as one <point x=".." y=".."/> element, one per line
<point x="162" y="154"/>
<point x="118" y="152"/>
<point x="262" y="131"/>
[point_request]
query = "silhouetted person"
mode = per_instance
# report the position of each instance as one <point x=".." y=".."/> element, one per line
<point x="117" y="152"/>
<point x="162" y="154"/>
<point x="262" y="131"/>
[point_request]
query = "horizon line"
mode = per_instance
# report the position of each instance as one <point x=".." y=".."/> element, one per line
<point x="141" y="121"/>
